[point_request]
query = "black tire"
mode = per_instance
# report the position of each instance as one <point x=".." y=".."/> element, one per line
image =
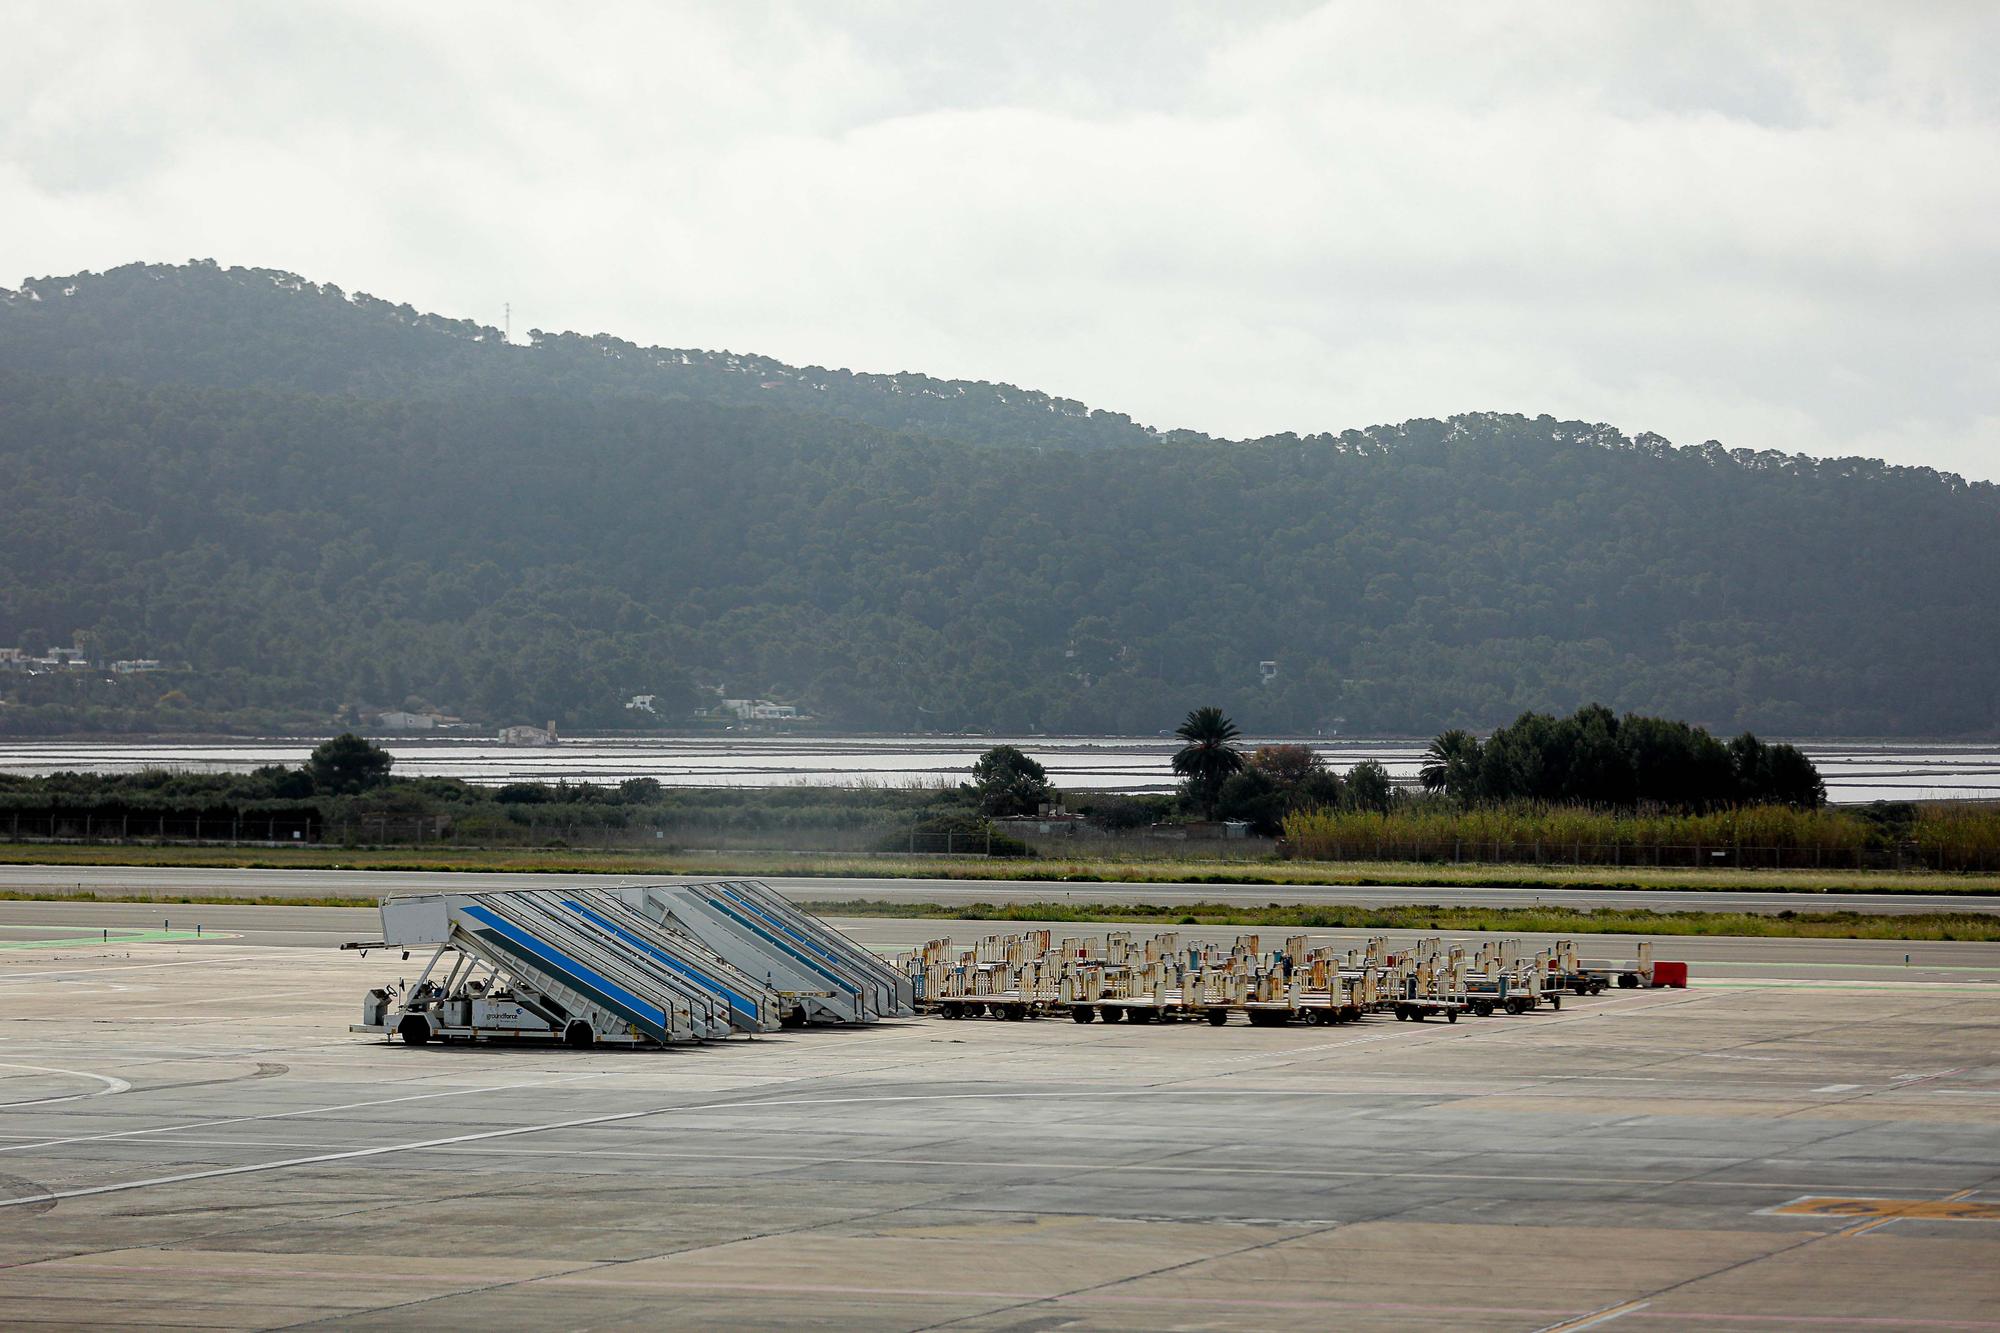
<point x="1402" y="1013"/>
<point x="1556" y="1002"/>
<point x="1416" y="1015"/>
<point x="579" y="1035"/>
<point x="1451" y="1015"/>
<point x="1626" y="981"/>
<point x="415" y="1030"/>
<point x="794" y="1018"/>
<point x="1217" y="1017"/>
<point x="1483" y="1008"/>
<point x="1082" y="1013"/>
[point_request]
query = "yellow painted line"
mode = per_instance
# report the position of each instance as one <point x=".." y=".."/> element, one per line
<point x="1869" y="1213"/>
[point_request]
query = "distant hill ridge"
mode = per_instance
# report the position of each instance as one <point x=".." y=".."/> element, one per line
<point x="322" y="504"/>
<point x="128" y="321"/>
<point x="331" y="341"/>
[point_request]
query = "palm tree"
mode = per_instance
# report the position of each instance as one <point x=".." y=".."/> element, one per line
<point x="1210" y="755"/>
<point x="1451" y="765"/>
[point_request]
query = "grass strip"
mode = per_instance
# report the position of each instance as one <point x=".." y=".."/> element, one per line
<point x="787" y="865"/>
<point x="1972" y="926"/>
<point x="1959" y="926"/>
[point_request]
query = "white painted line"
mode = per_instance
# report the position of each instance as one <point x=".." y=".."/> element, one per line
<point x="1166" y="1168"/>
<point x="239" y="955"/>
<point x="1594" y="1318"/>
<point x="111" y="1085"/>
<point x="1838" y="1087"/>
<point x="616" y="1117"/>
<point x="288" y="1115"/>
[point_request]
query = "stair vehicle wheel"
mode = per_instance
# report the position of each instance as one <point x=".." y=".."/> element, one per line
<point x="796" y="1018"/>
<point x="1217" y="1017"/>
<point x="415" y="1029"/>
<point x="579" y="1035"/>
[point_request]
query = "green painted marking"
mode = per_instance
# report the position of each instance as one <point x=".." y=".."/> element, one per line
<point x="117" y="937"/>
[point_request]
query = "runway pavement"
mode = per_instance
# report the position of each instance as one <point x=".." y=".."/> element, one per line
<point x="110" y="880"/>
<point x="189" y="1135"/>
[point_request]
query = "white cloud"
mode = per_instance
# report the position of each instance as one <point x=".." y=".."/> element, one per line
<point x="1770" y="225"/>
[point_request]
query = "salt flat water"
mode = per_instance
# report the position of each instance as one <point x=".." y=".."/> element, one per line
<point x="1854" y="770"/>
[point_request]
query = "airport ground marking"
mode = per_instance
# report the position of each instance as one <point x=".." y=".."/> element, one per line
<point x="1593" y="1318"/>
<point x="114" y="937"/>
<point x="1160" y="1168"/>
<point x="290" y="1115"/>
<point x="585" y="1122"/>
<point x="111" y="1085"/>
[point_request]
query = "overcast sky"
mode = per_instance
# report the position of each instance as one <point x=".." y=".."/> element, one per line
<point x="1777" y="226"/>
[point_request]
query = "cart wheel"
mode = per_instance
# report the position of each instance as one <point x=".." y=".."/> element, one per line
<point x="1416" y="1015"/>
<point x="1402" y="1013"/>
<point x="1082" y="1013"/>
<point x="414" y="1030"/>
<point x="1483" y="1008"/>
<point x="1013" y="1013"/>
<point x="1626" y="981"/>
<point x="1217" y="1017"/>
<point x="1556" y="1002"/>
<point x="1451" y="1015"/>
<point x="1597" y="988"/>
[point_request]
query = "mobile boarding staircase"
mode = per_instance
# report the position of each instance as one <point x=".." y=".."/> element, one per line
<point x="643" y="965"/>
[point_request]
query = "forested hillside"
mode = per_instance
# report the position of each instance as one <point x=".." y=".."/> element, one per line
<point x="318" y="503"/>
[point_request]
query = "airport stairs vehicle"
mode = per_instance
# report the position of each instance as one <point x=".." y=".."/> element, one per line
<point x="645" y="965"/>
<point x="833" y="978"/>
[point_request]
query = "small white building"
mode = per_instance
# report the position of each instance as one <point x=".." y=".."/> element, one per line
<point x="399" y="721"/>
<point x="525" y="735"/>
<point x="760" y="710"/>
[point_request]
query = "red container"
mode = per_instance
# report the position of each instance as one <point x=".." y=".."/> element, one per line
<point x="1670" y="974"/>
